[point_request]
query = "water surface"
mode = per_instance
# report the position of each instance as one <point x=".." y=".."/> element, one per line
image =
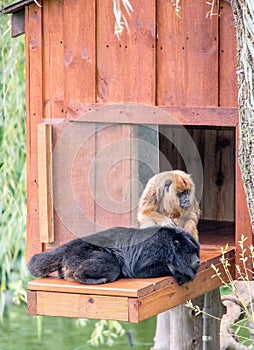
<point x="18" y="331"/>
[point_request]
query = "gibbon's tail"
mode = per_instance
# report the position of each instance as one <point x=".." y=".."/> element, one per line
<point x="42" y="264"/>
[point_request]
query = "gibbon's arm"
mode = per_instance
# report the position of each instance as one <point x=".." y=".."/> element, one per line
<point x="189" y="222"/>
<point x="151" y="218"/>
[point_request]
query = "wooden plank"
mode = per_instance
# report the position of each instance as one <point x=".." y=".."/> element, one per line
<point x="79" y="44"/>
<point x="53" y="58"/>
<point x="16" y="6"/>
<point x="173" y="295"/>
<point x="113" y="161"/>
<point x="122" y="74"/>
<point x="73" y="180"/>
<point x="32" y="303"/>
<point x="242" y="217"/>
<point x="147" y="114"/>
<point x="187" y="55"/>
<point x="124" y="287"/>
<point x="46" y="211"/>
<point x="34" y="114"/>
<point x="82" y="306"/>
<point x="227" y="57"/>
<point x="210" y="254"/>
<point x="18" y="23"/>
<point x="46" y="62"/>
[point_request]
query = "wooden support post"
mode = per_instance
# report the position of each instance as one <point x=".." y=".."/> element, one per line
<point x="187" y="331"/>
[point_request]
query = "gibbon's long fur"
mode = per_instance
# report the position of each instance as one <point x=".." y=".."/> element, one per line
<point x="122" y="252"/>
<point x="169" y="199"/>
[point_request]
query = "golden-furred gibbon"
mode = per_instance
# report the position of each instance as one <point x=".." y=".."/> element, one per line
<point x="169" y="200"/>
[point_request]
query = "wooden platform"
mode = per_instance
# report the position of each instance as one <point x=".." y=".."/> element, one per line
<point x="132" y="300"/>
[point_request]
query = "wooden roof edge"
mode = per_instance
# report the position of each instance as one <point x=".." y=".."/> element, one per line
<point x="16" y="6"/>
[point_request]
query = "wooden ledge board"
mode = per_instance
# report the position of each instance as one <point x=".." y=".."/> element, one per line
<point x="132" y="300"/>
<point x="124" y="287"/>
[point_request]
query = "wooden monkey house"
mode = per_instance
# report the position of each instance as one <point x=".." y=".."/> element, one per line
<point x="104" y="114"/>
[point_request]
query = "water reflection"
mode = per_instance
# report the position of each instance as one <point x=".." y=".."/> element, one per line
<point x="19" y="332"/>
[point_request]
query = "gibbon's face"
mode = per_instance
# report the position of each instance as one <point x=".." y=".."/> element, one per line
<point x="184" y="199"/>
<point x="178" y="191"/>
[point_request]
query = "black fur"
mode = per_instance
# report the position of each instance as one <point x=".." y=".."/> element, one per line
<point x="122" y="252"/>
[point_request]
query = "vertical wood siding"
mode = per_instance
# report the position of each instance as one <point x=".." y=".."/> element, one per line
<point x="34" y="115"/>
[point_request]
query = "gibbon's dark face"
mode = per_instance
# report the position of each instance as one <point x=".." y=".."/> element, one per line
<point x="184" y="199"/>
<point x="181" y="187"/>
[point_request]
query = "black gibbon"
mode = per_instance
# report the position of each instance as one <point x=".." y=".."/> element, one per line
<point x="122" y="252"/>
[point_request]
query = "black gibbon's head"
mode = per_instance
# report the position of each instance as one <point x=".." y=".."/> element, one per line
<point x="184" y="262"/>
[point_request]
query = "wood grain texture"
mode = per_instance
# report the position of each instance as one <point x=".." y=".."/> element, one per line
<point x="73" y="180"/>
<point x="32" y="303"/>
<point x="227" y="57"/>
<point x="46" y="210"/>
<point x="242" y="218"/>
<point x="79" y="43"/>
<point x="148" y="114"/>
<point x="82" y="306"/>
<point x="187" y="55"/>
<point x="113" y="177"/>
<point x="18" y="23"/>
<point x="53" y="58"/>
<point x="124" y="287"/>
<point x="34" y="110"/>
<point x="173" y="295"/>
<point x="126" y="67"/>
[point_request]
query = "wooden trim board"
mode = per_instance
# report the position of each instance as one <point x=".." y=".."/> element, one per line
<point x="133" y="113"/>
<point x="46" y="211"/>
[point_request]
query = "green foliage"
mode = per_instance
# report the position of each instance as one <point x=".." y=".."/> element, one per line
<point x="12" y="163"/>
<point x="105" y="332"/>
